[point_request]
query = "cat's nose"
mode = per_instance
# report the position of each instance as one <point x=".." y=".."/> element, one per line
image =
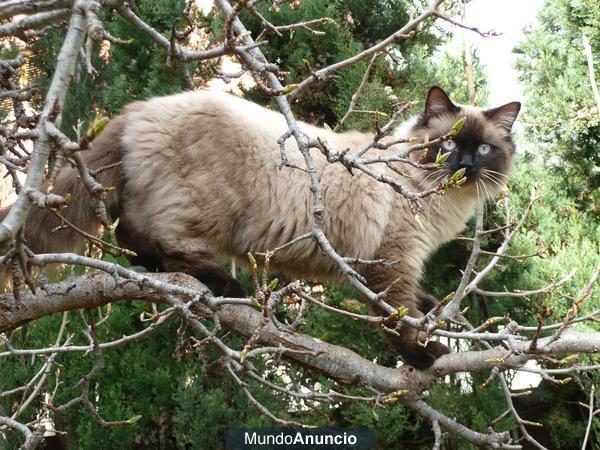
<point x="466" y="161"/>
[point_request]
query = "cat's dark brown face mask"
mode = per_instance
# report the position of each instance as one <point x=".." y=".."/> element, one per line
<point x="483" y="147"/>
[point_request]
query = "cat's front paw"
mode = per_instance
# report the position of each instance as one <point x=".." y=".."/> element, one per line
<point x="423" y="357"/>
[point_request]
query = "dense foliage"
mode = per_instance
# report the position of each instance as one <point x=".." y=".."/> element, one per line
<point x="561" y="116"/>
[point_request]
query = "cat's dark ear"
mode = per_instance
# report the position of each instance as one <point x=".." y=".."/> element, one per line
<point x="439" y="103"/>
<point x="504" y="115"/>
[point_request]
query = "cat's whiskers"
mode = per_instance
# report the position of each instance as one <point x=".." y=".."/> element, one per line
<point x="433" y="173"/>
<point x="477" y="188"/>
<point x="489" y="191"/>
<point x="500" y="179"/>
<point x="495" y="175"/>
<point x="503" y="175"/>
<point x="440" y="175"/>
<point x="419" y="173"/>
<point x="448" y="203"/>
<point x="436" y="180"/>
<point x="494" y="184"/>
<point x="483" y="198"/>
<point x="487" y="176"/>
<point x="484" y="188"/>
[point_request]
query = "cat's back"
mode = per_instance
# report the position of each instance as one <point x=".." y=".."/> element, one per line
<point x="198" y="123"/>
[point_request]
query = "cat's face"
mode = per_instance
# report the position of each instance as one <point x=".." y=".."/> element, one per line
<point x="483" y="147"/>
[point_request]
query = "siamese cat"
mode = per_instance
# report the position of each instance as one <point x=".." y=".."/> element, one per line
<point x="199" y="175"/>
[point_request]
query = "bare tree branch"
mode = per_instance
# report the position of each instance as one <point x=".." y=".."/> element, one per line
<point x="399" y="35"/>
<point x="11" y="8"/>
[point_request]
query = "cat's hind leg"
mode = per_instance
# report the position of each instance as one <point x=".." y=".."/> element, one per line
<point x="426" y="302"/>
<point x="147" y="256"/>
<point x="152" y="257"/>
<point x="202" y="266"/>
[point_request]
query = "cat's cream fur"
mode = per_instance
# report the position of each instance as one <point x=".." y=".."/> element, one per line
<point x="200" y="176"/>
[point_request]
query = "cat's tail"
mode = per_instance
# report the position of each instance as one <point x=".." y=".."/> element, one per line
<point x="103" y="157"/>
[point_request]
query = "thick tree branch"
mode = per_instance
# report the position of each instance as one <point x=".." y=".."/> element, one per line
<point x="97" y="289"/>
<point x="11" y="8"/>
<point x="32" y="22"/>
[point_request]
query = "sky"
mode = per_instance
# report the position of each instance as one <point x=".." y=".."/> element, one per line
<point x="508" y="17"/>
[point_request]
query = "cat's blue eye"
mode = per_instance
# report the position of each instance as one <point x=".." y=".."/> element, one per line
<point x="484" y="149"/>
<point x="449" y="145"/>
